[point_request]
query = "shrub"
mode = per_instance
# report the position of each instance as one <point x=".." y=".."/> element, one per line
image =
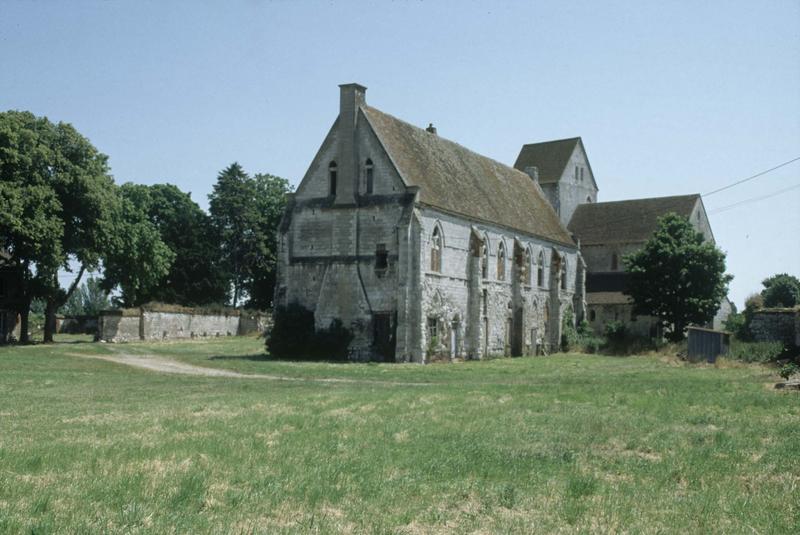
<point x="789" y="369"/>
<point x="294" y="336"/>
<point x="616" y="332"/>
<point x="755" y="351"/>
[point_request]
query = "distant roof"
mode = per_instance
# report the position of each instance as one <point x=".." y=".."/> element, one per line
<point x="607" y="298"/>
<point x="457" y="180"/>
<point x="630" y="221"/>
<point x="549" y="157"/>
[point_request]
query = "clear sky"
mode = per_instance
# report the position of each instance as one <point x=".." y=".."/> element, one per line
<point x="669" y="97"/>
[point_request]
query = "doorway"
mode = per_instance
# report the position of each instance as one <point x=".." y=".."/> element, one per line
<point x="383" y="336"/>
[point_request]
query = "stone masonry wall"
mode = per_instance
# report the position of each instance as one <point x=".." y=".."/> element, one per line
<point x="128" y="326"/>
<point x="116" y="327"/>
<point x="781" y="325"/>
<point x="445" y="295"/>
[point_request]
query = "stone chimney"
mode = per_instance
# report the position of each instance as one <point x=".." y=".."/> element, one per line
<point x="533" y="172"/>
<point x="431" y="129"/>
<point x="351" y="97"/>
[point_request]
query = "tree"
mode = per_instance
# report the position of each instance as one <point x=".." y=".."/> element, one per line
<point x="195" y="276"/>
<point x="271" y="196"/>
<point x="677" y="276"/>
<point x="135" y="260"/>
<point x="55" y="204"/>
<point x="781" y="290"/>
<point x="88" y="300"/>
<point x="246" y="212"/>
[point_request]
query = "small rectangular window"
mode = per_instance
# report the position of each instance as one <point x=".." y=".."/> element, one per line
<point x="433" y="328"/>
<point x="333" y="182"/>
<point x="485" y="302"/>
<point x="381" y="256"/>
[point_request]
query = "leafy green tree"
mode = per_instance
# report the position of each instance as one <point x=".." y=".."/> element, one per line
<point x="781" y="290"/>
<point x="56" y="198"/>
<point x="677" y="276"/>
<point x="195" y="276"/>
<point x="246" y="212"/>
<point x="136" y="259"/>
<point x="88" y="300"/>
<point x="271" y="196"/>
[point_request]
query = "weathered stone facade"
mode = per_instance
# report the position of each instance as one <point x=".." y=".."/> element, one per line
<point x="777" y="325"/>
<point x="147" y="324"/>
<point x="422" y="248"/>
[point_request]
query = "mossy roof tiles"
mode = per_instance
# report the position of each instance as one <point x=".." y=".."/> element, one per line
<point x="631" y="221"/>
<point x="460" y="181"/>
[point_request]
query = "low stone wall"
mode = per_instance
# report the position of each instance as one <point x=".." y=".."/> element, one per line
<point x="176" y="323"/>
<point x="119" y="326"/>
<point x="776" y="325"/>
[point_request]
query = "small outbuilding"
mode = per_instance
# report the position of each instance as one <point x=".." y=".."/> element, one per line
<point x="707" y="344"/>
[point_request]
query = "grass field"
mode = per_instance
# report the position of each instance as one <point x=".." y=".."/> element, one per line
<point x="568" y="443"/>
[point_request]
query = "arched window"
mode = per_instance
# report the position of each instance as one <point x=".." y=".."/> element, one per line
<point x="614" y="262"/>
<point x="501" y="262"/>
<point x="485" y="259"/>
<point x="527" y="267"/>
<point x="588" y="200"/>
<point x="332" y="178"/>
<point x="436" y="250"/>
<point x="370" y="176"/>
<point x="540" y="271"/>
<point x="564" y="274"/>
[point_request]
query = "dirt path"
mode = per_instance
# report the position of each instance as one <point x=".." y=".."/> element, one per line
<point x="159" y="364"/>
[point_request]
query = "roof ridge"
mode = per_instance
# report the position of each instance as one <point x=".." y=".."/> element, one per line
<point x="441" y="138"/>
<point x="576" y="138"/>
<point x="685" y="196"/>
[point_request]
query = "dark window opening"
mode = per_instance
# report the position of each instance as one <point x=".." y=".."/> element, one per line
<point x="436" y="251"/>
<point x="332" y="177"/>
<point x="485" y="260"/>
<point x="527" y="268"/>
<point x="381" y="256"/>
<point x="485" y="302"/>
<point x="564" y="275"/>
<point x="540" y="271"/>
<point x="501" y="262"/>
<point x="370" y="176"/>
<point x="614" y="262"/>
<point x="592" y="315"/>
<point x="433" y="329"/>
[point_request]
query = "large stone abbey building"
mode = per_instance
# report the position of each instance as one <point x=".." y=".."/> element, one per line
<point x="425" y="249"/>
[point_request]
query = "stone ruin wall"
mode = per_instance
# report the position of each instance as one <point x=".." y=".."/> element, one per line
<point x="151" y="325"/>
<point x="772" y="325"/>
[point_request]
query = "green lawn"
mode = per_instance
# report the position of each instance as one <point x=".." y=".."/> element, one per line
<point x="568" y="443"/>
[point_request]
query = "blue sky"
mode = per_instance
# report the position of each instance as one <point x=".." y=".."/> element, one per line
<point x="669" y="97"/>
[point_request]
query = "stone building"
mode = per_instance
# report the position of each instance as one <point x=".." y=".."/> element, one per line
<point x="423" y="248"/>
<point x="606" y="231"/>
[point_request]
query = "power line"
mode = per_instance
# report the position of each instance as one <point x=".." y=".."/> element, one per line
<point x="742" y="181"/>
<point x="753" y="199"/>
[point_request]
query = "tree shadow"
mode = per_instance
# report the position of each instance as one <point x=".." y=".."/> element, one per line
<point x="264" y="357"/>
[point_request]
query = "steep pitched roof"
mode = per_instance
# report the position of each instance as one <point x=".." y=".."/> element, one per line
<point x="457" y="180"/>
<point x="626" y="221"/>
<point x="550" y="157"/>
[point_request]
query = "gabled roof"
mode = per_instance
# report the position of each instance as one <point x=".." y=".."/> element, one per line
<point x="457" y="180"/>
<point x="550" y="157"/>
<point x="630" y="221"/>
